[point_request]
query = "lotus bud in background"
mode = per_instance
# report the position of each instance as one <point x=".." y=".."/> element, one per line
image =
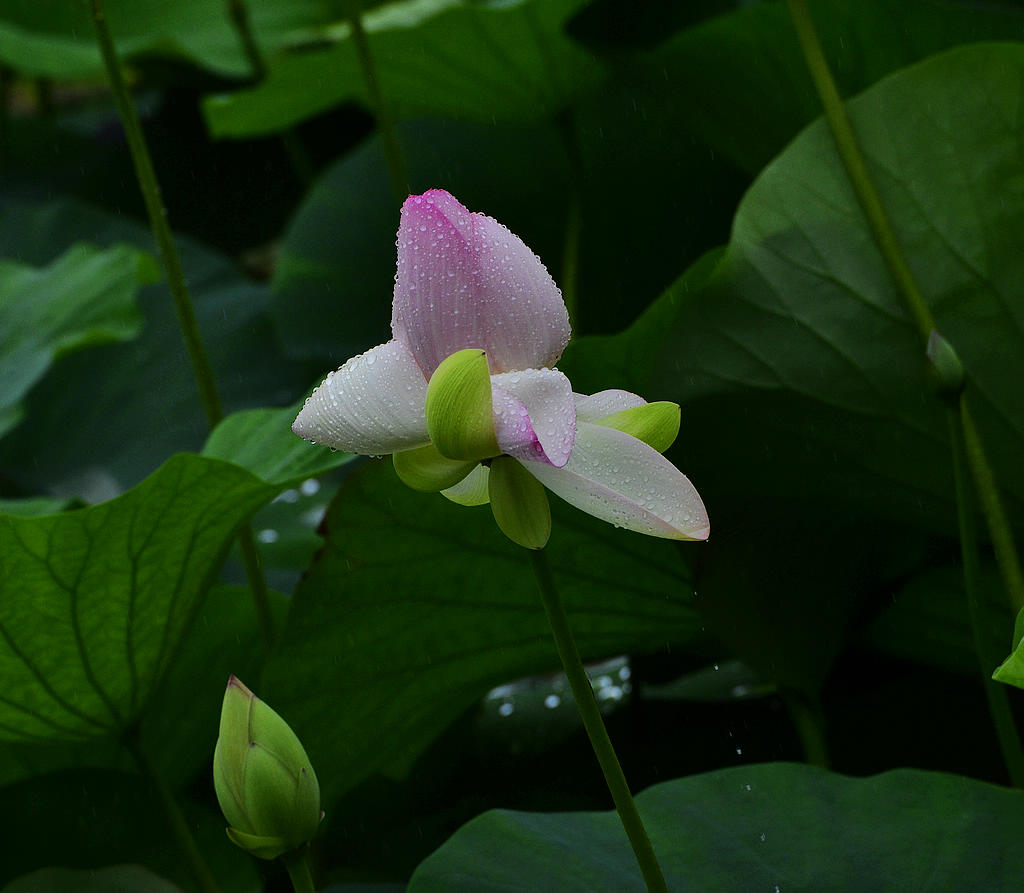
<point x="265" y="784"/>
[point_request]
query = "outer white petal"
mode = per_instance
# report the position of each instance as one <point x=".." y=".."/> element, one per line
<point x="534" y="414"/>
<point x="605" y="403"/>
<point x="374" y="404"/>
<point x="620" y="479"/>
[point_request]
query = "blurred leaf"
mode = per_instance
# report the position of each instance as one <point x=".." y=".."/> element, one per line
<point x="54" y="38"/>
<point x="85" y="297"/>
<point x="740" y="82"/>
<point x="262" y="441"/>
<point x="774" y="825"/>
<point x="119" y="585"/>
<point x="28" y="507"/>
<point x="480" y="62"/>
<point x="927" y="620"/>
<point x="134" y="404"/>
<point x="104" y="818"/>
<point x="416" y="607"/>
<point x="798" y="342"/>
<point x="118" y="879"/>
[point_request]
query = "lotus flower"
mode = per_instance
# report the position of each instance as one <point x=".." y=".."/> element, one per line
<point x="466" y="398"/>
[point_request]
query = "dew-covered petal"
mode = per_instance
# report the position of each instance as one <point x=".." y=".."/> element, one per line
<point x="373" y="405"/>
<point x="463" y="281"/>
<point x="620" y="479"/>
<point x="534" y="414"/>
<point x="604" y="403"/>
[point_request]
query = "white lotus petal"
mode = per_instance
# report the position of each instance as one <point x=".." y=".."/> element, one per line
<point x="605" y="403"/>
<point x="620" y="479"/>
<point x="534" y="414"/>
<point x="374" y="404"/>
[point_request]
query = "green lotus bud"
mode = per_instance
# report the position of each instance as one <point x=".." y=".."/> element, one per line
<point x="947" y="371"/>
<point x="460" y="415"/>
<point x="265" y="784"/>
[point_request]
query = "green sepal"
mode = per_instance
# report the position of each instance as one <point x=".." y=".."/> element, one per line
<point x="472" y="489"/>
<point x="519" y="503"/>
<point x="947" y="370"/>
<point x="260" y="847"/>
<point x="426" y="470"/>
<point x="1011" y="670"/>
<point x="656" y="424"/>
<point x="460" y="416"/>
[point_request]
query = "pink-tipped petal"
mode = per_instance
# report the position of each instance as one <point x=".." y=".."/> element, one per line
<point x="620" y="479"/>
<point x="465" y="281"/>
<point x="373" y="405"/>
<point x="534" y="415"/>
<point x="605" y="403"/>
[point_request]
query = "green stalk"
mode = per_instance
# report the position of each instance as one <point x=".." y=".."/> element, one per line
<point x="589" y="712"/>
<point x="809" y="723"/>
<point x="378" y="104"/>
<point x="889" y="245"/>
<point x="999" y="528"/>
<point x="202" y="371"/>
<point x="298" y="870"/>
<point x="997" y="695"/>
<point x="238" y="12"/>
<point x="179" y="826"/>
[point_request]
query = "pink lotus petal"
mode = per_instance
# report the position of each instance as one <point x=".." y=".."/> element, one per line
<point x="620" y="479"/>
<point x="374" y="404"/>
<point x="605" y="403"/>
<point x="534" y="415"/>
<point x="465" y="281"/>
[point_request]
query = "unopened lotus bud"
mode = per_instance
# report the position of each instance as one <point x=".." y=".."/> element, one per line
<point x="265" y="784"/>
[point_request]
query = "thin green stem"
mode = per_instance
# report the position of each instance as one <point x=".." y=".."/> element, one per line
<point x="298" y="870"/>
<point x="988" y="660"/>
<point x="202" y="371"/>
<point x="238" y="13"/>
<point x="857" y="169"/>
<point x="809" y="722"/>
<point x="889" y="245"/>
<point x="258" y="583"/>
<point x="992" y="507"/>
<point x="586" y="703"/>
<point x="378" y="103"/>
<point x="179" y="826"/>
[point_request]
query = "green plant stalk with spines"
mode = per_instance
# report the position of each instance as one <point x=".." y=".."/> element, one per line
<point x="593" y="723"/>
<point x="889" y="245"/>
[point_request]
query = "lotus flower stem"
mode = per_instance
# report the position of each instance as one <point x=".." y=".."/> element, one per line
<point x="889" y="245"/>
<point x="378" y="103"/>
<point x="238" y="13"/>
<point x="998" y="699"/>
<point x="586" y="703"/>
<point x="179" y="826"/>
<point x="202" y="371"/>
<point x="298" y="870"/>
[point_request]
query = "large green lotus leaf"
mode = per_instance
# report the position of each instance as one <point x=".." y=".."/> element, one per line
<point x="262" y="441"/>
<point x="102" y="419"/>
<point x="798" y="341"/>
<point x="481" y="62"/>
<point x="53" y="38"/>
<point x="94" y="602"/>
<point x="416" y="607"/>
<point x="85" y="297"/>
<point x="740" y="82"/>
<point x="120" y="878"/>
<point x="772" y="826"/>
